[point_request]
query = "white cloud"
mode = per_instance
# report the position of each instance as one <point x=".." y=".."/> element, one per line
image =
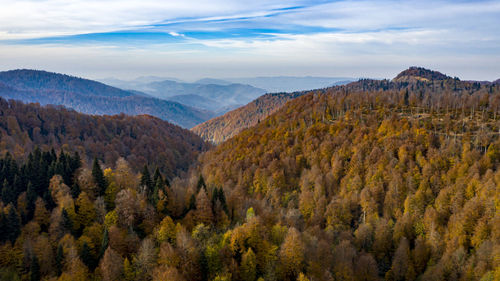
<point x="359" y="38"/>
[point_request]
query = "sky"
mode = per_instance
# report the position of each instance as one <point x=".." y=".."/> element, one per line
<point x="193" y="39"/>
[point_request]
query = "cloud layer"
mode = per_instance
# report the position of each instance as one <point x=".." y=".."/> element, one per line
<point x="246" y="38"/>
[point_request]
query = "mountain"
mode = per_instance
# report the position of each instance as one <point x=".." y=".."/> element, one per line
<point x="92" y="97"/>
<point x="207" y="94"/>
<point x="420" y="74"/>
<point x="291" y="83"/>
<point x="374" y="180"/>
<point x="139" y="139"/>
<point x="223" y="127"/>
<point x="213" y="81"/>
<point x="378" y="179"/>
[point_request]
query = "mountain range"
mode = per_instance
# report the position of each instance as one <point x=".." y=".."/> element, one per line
<point x="221" y="95"/>
<point x="393" y="179"/>
<point x="215" y="97"/>
<point x="93" y="97"/>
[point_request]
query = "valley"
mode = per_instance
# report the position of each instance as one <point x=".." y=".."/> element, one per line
<point x="375" y="179"/>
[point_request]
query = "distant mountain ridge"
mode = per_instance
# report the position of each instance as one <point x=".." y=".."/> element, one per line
<point x="276" y="84"/>
<point x="207" y="94"/>
<point x="92" y="97"/>
<point x="24" y="79"/>
<point x="224" y="127"/>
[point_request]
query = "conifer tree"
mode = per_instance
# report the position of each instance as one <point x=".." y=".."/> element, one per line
<point x="98" y="176"/>
<point x="34" y="269"/>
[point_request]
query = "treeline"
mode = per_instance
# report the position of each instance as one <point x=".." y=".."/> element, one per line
<point x="139" y="139"/>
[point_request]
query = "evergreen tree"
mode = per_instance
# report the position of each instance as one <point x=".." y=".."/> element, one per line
<point x="201" y="183"/>
<point x="31" y="196"/>
<point x="98" y="177"/>
<point x="75" y="189"/>
<point x="66" y="220"/>
<point x="13" y="225"/>
<point x="104" y="243"/>
<point x="3" y="227"/>
<point x="86" y="256"/>
<point x="59" y="259"/>
<point x="8" y="194"/>
<point x="146" y="181"/>
<point x="34" y="269"/>
<point x="157" y="175"/>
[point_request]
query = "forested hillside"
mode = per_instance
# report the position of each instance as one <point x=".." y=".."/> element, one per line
<point x="394" y="180"/>
<point x="92" y="97"/>
<point x="374" y="180"/>
<point x="221" y="128"/>
<point x="139" y="139"/>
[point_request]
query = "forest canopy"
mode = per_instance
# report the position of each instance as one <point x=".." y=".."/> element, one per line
<point x="375" y="180"/>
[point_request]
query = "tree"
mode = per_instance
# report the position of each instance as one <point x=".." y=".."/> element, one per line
<point x="248" y="270"/>
<point x="86" y="212"/>
<point x="8" y="194"/>
<point x="104" y="243"/>
<point x="41" y="215"/>
<point x="402" y="267"/>
<point x="98" y="177"/>
<point x="34" y="269"/>
<point x="146" y="180"/>
<point x="203" y="209"/>
<point x="12" y="225"/>
<point x="111" y="265"/>
<point x="87" y="256"/>
<point x="59" y="259"/>
<point x="292" y="254"/>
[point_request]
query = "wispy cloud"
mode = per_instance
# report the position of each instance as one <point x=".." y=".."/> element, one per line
<point x="308" y="34"/>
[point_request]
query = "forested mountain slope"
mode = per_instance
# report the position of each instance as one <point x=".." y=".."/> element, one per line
<point x="376" y="179"/>
<point x="139" y="139"/>
<point x="92" y="97"/>
<point x="223" y="127"/>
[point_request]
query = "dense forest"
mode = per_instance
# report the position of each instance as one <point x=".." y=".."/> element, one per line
<point x="223" y="127"/>
<point x="378" y="179"/>
<point x="139" y="139"/>
<point x="92" y="97"/>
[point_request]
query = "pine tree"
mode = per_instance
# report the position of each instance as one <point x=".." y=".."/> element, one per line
<point x="8" y="194"/>
<point x="86" y="256"/>
<point x="98" y="176"/>
<point x="13" y="224"/>
<point x="59" y="259"/>
<point x="147" y="183"/>
<point x="104" y="243"/>
<point x="67" y="223"/>
<point x="75" y="189"/>
<point x="201" y="183"/>
<point x="31" y="196"/>
<point x="34" y="269"/>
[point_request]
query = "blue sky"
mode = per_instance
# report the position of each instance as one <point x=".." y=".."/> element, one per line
<point x="220" y="38"/>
